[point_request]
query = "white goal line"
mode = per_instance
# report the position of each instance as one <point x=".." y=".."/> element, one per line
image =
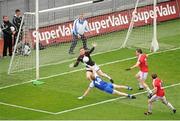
<point x="78" y="108"/>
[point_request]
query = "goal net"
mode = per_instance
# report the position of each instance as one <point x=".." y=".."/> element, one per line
<point x="113" y="24"/>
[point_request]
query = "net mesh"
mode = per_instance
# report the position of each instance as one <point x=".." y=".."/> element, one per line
<point x="54" y="25"/>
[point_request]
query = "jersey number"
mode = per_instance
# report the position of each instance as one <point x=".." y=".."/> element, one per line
<point x="98" y="81"/>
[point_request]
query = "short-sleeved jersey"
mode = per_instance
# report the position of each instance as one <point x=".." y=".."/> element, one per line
<point x="98" y="83"/>
<point x="143" y="62"/>
<point x="87" y="54"/>
<point x="158" y="84"/>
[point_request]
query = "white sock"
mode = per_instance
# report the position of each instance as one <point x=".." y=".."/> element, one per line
<point x="148" y="89"/>
<point x="140" y="85"/>
<point x="149" y="107"/>
<point x="170" y="106"/>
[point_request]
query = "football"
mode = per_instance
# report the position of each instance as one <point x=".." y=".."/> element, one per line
<point x="85" y="59"/>
<point x="27" y="50"/>
<point x="12" y="28"/>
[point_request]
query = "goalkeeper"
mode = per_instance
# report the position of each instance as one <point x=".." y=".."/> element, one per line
<point x="80" y="26"/>
<point x="85" y="58"/>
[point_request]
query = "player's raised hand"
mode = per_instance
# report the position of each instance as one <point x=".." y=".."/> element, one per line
<point x="128" y="69"/>
<point x="80" y="98"/>
<point x="71" y="65"/>
<point x="94" y="44"/>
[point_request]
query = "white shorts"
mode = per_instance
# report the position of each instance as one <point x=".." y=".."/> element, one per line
<point x="142" y="75"/>
<point x="156" y="98"/>
<point x="96" y="68"/>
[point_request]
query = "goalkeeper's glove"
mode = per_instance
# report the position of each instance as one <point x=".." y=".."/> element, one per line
<point x="94" y="44"/>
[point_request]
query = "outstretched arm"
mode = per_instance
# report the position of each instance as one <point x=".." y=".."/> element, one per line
<point x="85" y="93"/>
<point x="93" y="48"/>
<point x="134" y="66"/>
<point x="154" y="90"/>
<point x="76" y="63"/>
<point x="91" y="85"/>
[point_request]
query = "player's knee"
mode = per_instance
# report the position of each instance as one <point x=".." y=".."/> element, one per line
<point x="165" y="102"/>
<point x="149" y="102"/>
<point x="143" y="83"/>
<point x="88" y="77"/>
<point x="137" y="76"/>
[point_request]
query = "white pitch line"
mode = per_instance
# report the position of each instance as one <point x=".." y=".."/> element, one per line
<point x="78" y="108"/>
<point x="73" y="59"/>
<point x="17" y="84"/>
<point x="64" y="73"/>
<point x="108" y="63"/>
<point x="121" y="60"/>
<point x="67" y="60"/>
<point x="26" y="108"/>
<point x="106" y="101"/>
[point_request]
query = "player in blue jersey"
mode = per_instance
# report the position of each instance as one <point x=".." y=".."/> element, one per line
<point x="106" y="87"/>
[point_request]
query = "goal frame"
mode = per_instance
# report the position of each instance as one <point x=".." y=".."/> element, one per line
<point x="154" y="44"/>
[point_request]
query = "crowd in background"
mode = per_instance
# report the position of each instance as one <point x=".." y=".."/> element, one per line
<point x="9" y="31"/>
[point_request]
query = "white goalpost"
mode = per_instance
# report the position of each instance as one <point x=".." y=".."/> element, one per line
<point x="37" y="40"/>
<point x="37" y="30"/>
<point x="131" y="25"/>
<point x="154" y="44"/>
<point x="46" y="35"/>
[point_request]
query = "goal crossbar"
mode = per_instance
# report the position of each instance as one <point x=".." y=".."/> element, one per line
<point x="67" y="6"/>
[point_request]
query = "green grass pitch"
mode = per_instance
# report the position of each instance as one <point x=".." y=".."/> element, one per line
<point x="57" y="98"/>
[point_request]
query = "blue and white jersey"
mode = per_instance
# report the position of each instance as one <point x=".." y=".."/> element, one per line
<point x="98" y="83"/>
<point x="80" y="27"/>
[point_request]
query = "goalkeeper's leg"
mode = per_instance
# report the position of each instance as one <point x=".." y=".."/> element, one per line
<point x="84" y="41"/>
<point x="73" y="44"/>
